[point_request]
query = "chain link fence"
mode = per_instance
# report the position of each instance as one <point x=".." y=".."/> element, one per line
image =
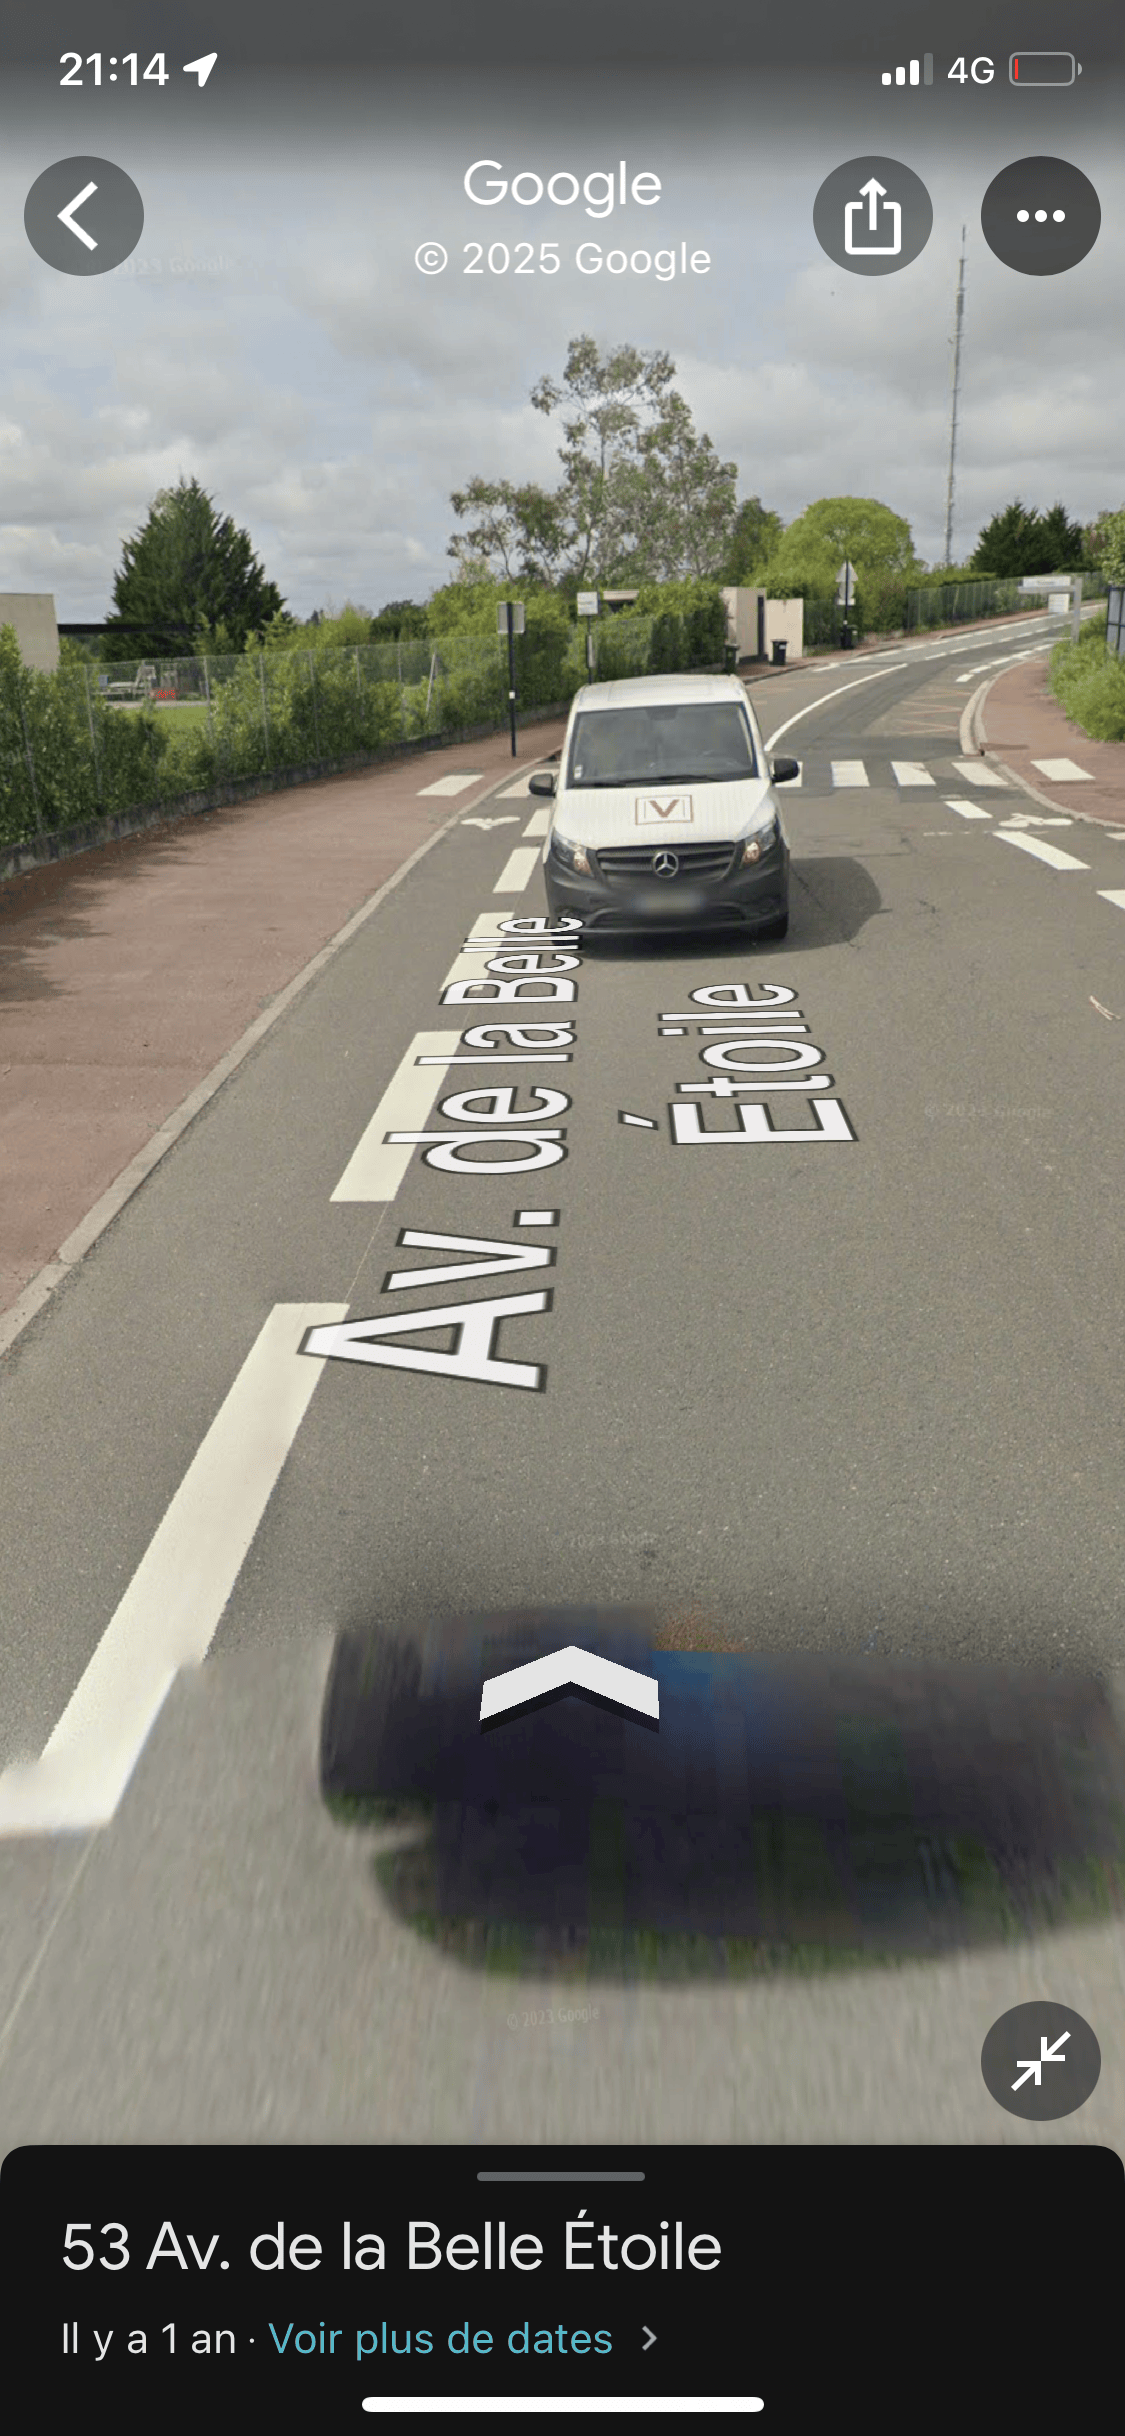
<point x="94" y="739"/>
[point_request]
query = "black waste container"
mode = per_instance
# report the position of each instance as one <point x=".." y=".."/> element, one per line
<point x="730" y="658"/>
<point x="778" y="655"/>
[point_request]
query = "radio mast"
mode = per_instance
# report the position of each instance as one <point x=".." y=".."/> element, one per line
<point x="955" y="386"/>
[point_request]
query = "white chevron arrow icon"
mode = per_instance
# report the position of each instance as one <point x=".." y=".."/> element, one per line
<point x="563" y="1668"/>
<point x="68" y="220"/>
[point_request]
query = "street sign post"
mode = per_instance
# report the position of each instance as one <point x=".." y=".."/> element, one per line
<point x="845" y="586"/>
<point x="510" y="621"/>
<point x="587" y="605"/>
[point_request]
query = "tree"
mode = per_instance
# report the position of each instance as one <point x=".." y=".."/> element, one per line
<point x="814" y="547"/>
<point x="1109" y="546"/>
<point x="1019" y="541"/>
<point x="189" y="580"/>
<point x="397" y="621"/>
<point x="755" y="537"/>
<point x="518" y="534"/>
<point x="642" y="495"/>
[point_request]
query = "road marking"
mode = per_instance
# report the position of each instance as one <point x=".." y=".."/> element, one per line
<point x="849" y="774"/>
<point x="832" y="696"/>
<point x="1043" y="851"/>
<point x="518" y="869"/>
<point x="1114" y="896"/>
<point x="376" y="1167"/>
<point x="979" y="774"/>
<point x="563" y="1669"/>
<point x="957" y="803"/>
<point x="454" y="784"/>
<point x="468" y="966"/>
<point x="912" y="774"/>
<point x="173" y="1605"/>
<point x="1064" y="772"/>
<point x="498" y="820"/>
<point x="539" y="823"/>
<point x="521" y="787"/>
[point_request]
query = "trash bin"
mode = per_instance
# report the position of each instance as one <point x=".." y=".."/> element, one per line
<point x="847" y="638"/>
<point x="778" y="655"/>
<point x="730" y="658"/>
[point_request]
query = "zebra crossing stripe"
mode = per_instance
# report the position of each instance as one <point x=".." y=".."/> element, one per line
<point x="979" y="774"/>
<point x="912" y="774"/>
<point x="968" y="811"/>
<point x="849" y="774"/>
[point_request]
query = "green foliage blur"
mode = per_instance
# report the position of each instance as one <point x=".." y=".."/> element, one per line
<point x="1089" y="682"/>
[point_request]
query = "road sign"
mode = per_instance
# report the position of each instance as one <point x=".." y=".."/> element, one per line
<point x="510" y="617"/>
<point x="845" y="581"/>
<point x="587" y="604"/>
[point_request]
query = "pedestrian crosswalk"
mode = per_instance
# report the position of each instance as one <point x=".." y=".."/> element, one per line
<point x="819" y="775"/>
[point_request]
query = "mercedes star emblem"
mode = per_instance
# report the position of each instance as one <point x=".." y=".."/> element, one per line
<point x="666" y="865"/>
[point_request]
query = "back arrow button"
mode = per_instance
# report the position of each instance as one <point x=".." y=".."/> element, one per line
<point x="68" y="212"/>
<point x="113" y="216"/>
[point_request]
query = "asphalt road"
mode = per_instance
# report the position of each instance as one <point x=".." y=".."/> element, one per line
<point x="850" y="1401"/>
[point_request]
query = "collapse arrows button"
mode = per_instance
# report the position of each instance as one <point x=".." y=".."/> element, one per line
<point x="565" y="1670"/>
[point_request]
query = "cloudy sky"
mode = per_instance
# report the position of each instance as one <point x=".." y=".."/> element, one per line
<point x="273" y="336"/>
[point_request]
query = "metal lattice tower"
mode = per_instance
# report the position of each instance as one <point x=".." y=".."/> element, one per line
<point x="955" y="388"/>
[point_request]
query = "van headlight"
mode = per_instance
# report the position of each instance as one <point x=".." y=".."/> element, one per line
<point x="760" y="839"/>
<point x="569" y="853"/>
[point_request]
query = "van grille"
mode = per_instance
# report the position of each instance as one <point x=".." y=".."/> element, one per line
<point x="699" y="859"/>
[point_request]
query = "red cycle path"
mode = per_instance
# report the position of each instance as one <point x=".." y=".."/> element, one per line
<point x="129" y="971"/>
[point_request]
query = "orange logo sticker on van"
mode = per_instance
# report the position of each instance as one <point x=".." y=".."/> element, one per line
<point x="657" y="810"/>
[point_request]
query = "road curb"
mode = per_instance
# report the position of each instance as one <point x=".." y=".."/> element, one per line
<point x="974" y="740"/>
<point x="40" y="1288"/>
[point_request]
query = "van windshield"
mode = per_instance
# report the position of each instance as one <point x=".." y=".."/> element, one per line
<point x="661" y="743"/>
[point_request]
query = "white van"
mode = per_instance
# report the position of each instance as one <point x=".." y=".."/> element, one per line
<point x="665" y="812"/>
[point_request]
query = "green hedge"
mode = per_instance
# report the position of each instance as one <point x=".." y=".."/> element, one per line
<point x="71" y="748"/>
<point x="1089" y="682"/>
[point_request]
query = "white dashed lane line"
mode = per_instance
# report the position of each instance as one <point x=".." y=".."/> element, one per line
<point x="454" y="783"/>
<point x="1114" y="896"/>
<point x="1041" y="849"/>
<point x="539" y="823"/>
<point x="968" y="811"/>
<point x="170" y="1612"/>
<point x="377" y="1167"/>
<point x="517" y="870"/>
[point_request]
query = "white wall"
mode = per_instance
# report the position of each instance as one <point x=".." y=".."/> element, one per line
<point x="742" y="618"/>
<point x="785" y="623"/>
<point x="33" y="616"/>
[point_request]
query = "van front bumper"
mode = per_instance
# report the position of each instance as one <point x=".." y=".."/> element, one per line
<point x="740" y="895"/>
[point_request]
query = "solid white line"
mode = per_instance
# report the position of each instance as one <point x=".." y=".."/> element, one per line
<point x="850" y="774"/>
<point x="1041" y="849"/>
<point x="956" y="803"/>
<point x="912" y="774"/>
<point x="173" y="1605"/>
<point x="518" y="869"/>
<point x="836" y="691"/>
<point x="453" y="784"/>
<point x="376" y="1167"/>
<point x="979" y="773"/>
<point x="1114" y="896"/>
<point x="539" y="823"/>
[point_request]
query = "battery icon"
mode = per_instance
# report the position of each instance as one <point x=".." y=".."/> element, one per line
<point x="1043" y="68"/>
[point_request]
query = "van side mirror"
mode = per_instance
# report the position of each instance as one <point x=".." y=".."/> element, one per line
<point x="782" y="769"/>
<point x="544" y="782"/>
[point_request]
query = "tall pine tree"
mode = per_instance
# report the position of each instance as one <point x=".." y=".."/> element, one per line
<point x="188" y="580"/>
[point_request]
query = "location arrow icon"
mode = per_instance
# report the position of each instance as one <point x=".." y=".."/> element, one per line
<point x="565" y="1670"/>
<point x="66" y="215"/>
<point x="201" y="67"/>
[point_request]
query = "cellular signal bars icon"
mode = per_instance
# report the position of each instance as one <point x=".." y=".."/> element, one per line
<point x="920" y="72"/>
